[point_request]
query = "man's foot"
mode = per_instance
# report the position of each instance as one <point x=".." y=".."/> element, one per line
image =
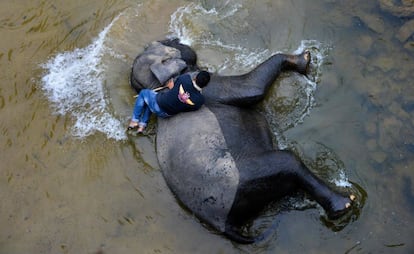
<point x="133" y="125"/>
<point x="136" y="126"/>
<point x="141" y="129"/>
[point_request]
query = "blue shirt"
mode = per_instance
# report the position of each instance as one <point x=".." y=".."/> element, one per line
<point x="183" y="97"/>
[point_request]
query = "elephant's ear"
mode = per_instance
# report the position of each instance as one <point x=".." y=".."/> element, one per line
<point x="155" y="65"/>
<point x="167" y="69"/>
<point x="141" y="76"/>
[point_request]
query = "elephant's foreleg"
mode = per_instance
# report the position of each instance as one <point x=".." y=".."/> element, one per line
<point x="251" y="88"/>
<point x="299" y="63"/>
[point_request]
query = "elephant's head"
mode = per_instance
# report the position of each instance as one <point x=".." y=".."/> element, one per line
<point x="160" y="61"/>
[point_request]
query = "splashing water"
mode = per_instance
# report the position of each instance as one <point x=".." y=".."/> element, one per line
<point x="74" y="84"/>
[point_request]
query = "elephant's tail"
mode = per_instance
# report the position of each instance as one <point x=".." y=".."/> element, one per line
<point x="234" y="234"/>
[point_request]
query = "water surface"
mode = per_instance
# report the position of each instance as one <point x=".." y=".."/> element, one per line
<point x="72" y="181"/>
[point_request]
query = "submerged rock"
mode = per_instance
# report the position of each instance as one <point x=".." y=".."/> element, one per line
<point x="378" y="156"/>
<point x="384" y="63"/>
<point x="403" y="8"/>
<point x="373" y="22"/>
<point x="406" y="31"/>
<point x="364" y="44"/>
<point x="409" y="46"/>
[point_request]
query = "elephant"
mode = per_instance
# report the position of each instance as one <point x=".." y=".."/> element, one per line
<point x="220" y="161"/>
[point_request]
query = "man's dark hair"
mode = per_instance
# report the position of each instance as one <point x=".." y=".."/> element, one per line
<point x="202" y="79"/>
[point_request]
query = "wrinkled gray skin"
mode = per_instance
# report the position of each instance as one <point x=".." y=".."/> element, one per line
<point x="158" y="63"/>
<point x="220" y="161"/>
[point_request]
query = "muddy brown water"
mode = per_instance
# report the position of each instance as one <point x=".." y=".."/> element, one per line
<point x="64" y="191"/>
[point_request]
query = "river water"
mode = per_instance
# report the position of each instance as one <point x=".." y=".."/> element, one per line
<point x="72" y="180"/>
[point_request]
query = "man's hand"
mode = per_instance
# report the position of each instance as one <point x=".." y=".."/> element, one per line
<point x="170" y="84"/>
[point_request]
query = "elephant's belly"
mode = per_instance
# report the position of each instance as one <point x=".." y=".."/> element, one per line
<point x="198" y="165"/>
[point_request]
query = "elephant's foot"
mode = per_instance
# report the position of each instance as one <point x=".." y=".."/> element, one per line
<point x="303" y="61"/>
<point x="340" y="207"/>
<point x="299" y="63"/>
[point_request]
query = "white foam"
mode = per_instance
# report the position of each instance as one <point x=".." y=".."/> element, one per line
<point x="74" y="84"/>
<point x="342" y="180"/>
<point x="179" y="19"/>
<point x="190" y="22"/>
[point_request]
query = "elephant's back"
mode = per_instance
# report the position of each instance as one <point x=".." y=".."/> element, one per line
<point x="197" y="164"/>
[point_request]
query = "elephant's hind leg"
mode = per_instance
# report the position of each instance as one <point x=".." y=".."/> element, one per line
<point x="274" y="175"/>
<point x="334" y="203"/>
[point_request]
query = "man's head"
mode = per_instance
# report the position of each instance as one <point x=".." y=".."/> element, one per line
<point x="202" y="79"/>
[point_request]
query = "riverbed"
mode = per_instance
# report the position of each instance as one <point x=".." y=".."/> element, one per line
<point x="73" y="181"/>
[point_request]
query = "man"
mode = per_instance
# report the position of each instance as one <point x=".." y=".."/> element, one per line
<point x="183" y="95"/>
